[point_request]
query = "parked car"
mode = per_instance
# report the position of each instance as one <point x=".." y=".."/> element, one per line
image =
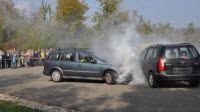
<point x="171" y="62"/>
<point x="79" y="63"/>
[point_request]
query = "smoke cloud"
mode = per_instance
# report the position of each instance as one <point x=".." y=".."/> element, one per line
<point x="121" y="48"/>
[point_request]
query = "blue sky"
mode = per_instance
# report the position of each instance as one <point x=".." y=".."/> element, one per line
<point x="176" y="12"/>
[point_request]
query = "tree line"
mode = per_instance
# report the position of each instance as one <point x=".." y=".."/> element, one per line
<point x="66" y="27"/>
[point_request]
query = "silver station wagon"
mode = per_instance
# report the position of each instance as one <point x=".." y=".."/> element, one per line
<point x="79" y="63"/>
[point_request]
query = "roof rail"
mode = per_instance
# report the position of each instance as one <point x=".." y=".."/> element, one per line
<point x="155" y="44"/>
<point x="74" y="49"/>
<point x="184" y="43"/>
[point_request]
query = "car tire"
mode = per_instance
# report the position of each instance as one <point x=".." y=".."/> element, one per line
<point x="194" y="83"/>
<point x="151" y="80"/>
<point x="56" y="76"/>
<point x="110" y="77"/>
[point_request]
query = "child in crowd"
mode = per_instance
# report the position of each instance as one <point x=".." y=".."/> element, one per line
<point x="14" y="60"/>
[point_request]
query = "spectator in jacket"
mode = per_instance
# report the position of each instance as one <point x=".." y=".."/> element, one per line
<point x="42" y="56"/>
<point x="16" y="56"/>
<point x="14" y="60"/>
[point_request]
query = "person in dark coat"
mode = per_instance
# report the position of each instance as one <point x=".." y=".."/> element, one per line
<point x="8" y="58"/>
<point x="39" y="57"/>
<point x="1" y="54"/>
<point x="3" y="60"/>
<point x="35" y="58"/>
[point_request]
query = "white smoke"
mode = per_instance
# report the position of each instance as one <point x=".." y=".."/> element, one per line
<point x="122" y="50"/>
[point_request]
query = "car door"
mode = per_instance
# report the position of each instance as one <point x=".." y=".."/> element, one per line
<point x="87" y="65"/>
<point x="68" y="64"/>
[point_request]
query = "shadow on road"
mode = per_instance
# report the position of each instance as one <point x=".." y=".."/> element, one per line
<point x="84" y="80"/>
<point x="95" y="96"/>
<point x="180" y="84"/>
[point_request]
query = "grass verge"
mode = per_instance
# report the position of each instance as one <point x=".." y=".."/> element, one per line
<point x="9" y="107"/>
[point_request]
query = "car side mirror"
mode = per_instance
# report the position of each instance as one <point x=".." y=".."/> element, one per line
<point x="94" y="61"/>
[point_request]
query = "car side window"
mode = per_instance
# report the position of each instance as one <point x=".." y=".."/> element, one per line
<point x="155" y="53"/>
<point x="85" y="57"/>
<point x="142" y="55"/>
<point x="149" y="54"/>
<point x="54" y="56"/>
<point x="68" y="57"/>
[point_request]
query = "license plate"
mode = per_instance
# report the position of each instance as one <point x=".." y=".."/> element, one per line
<point x="182" y="69"/>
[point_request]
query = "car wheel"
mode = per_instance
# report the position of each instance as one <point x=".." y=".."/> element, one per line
<point x="152" y="82"/>
<point x="194" y="83"/>
<point x="110" y="77"/>
<point x="56" y="76"/>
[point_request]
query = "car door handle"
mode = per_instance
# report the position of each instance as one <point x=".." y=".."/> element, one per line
<point x="79" y="65"/>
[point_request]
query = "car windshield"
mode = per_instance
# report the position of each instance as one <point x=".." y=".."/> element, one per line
<point x="182" y="52"/>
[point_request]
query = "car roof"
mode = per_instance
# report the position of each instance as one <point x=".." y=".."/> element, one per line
<point x="170" y="45"/>
<point x="65" y="51"/>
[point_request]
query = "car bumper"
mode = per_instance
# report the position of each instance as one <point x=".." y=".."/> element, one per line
<point x="171" y="77"/>
<point x="46" y="72"/>
<point x="125" y="79"/>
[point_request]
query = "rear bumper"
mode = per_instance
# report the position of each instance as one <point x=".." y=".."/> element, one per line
<point x="172" y="77"/>
<point x="46" y="72"/>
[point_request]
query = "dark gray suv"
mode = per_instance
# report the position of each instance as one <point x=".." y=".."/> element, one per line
<point x="79" y="63"/>
<point x="171" y="62"/>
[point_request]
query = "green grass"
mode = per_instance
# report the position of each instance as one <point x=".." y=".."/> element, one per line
<point x="9" y="107"/>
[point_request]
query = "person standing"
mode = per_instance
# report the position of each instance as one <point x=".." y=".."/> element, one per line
<point x="42" y="57"/>
<point x="8" y="58"/>
<point x="46" y="52"/>
<point x="14" y="60"/>
<point x="22" y="58"/>
<point x="16" y="56"/>
<point x="1" y="55"/>
<point x="28" y="58"/>
<point x="3" y="61"/>
<point x="32" y="58"/>
<point x="35" y="57"/>
<point x="39" y="57"/>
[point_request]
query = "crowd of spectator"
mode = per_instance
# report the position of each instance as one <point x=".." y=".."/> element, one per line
<point x="29" y="58"/>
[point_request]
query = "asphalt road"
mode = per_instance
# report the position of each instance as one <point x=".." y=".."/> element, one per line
<point x="96" y="96"/>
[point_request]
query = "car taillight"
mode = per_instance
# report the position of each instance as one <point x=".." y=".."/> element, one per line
<point x="44" y="64"/>
<point x="161" y="66"/>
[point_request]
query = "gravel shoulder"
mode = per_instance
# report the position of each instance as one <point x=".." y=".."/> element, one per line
<point x="96" y="96"/>
<point x="33" y="104"/>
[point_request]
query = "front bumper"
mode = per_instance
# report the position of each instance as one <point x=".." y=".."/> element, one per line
<point x="124" y="79"/>
<point x="179" y="77"/>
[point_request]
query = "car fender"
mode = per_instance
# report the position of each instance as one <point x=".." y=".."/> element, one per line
<point x="57" y="68"/>
<point x="106" y="67"/>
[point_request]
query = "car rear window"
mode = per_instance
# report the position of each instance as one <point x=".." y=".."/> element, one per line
<point x="186" y="52"/>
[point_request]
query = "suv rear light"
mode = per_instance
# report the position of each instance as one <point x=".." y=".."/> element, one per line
<point x="44" y="64"/>
<point x="161" y="66"/>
